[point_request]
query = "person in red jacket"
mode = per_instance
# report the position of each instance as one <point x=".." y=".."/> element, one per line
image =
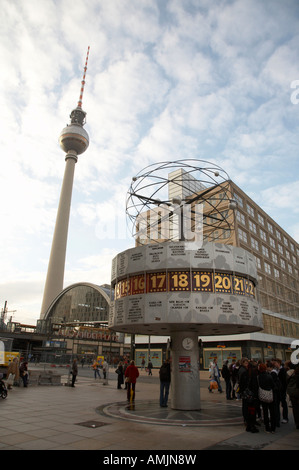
<point x="131" y="374"/>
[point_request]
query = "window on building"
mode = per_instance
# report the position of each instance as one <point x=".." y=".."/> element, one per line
<point x="270" y="228"/>
<point x="261" y="219"/>
<point x="242" y="235"/>
<point x="265" y="251"/>
<point x="267" y="268"/>
<point x="283" y="263"/>
<point x="272" y="242"/>
<point x="274" y="257"/>
<point x="254" y="244"/>
<point x="241" y="217"/>
<point x="278" y="235"/>
<point x="252" y="226"/>
<point x="250" y="210"/>
<point x="258" y="262"/>
<point x="238" y="199"/>
<point x="226" y="234"/>
<point x="263" y="235"/>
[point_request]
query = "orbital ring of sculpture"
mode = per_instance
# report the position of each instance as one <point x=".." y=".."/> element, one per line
<point x="162" y="189"/>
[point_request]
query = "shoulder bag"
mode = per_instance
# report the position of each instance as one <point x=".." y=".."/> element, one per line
<point x="265" y="396"/>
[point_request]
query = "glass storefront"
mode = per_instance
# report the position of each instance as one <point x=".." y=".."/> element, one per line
<point x="209" y="354"/>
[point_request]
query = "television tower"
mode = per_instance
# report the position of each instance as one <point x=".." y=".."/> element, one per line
<point x="73" y="140"/>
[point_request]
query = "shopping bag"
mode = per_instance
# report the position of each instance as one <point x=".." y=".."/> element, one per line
<point x="213" y="385"/>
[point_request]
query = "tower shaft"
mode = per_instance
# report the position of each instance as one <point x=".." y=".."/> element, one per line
<point x="55" y="274"/>
<point x="74" y="141"/>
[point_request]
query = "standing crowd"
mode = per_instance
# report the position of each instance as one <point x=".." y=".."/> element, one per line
<point x="264" y="388"/>
<point x="267" y="390"/>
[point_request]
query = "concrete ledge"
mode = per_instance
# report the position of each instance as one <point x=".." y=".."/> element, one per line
<point x="44" y="377"/>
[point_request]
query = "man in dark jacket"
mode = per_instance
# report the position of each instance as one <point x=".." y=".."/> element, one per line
<point x="225" y="372"/>
<point x="282" y="376"/>
<point x="165" y="377"/>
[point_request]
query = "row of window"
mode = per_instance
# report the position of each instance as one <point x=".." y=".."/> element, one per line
<point x="274" y="304"/>
<point x="263" y="235"/>
<point x="255" y="245"/>
<point x="280" y="327"/>
<point x="251" y="211"/>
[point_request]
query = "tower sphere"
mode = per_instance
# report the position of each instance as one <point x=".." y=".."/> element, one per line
<point x="74" y="137"/>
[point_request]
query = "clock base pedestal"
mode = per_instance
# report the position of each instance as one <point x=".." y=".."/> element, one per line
<point x="185" y="383"/>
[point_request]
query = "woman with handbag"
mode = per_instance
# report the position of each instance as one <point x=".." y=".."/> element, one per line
<point x="266" y="393"/>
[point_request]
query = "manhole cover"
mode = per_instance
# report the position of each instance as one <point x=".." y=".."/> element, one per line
<point x="92" y="424"/>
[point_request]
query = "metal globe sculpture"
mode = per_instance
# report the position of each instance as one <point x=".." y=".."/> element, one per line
<point x="164" y="198"/>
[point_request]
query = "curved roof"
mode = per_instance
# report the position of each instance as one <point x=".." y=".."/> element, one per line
<point x="70" y="304"/>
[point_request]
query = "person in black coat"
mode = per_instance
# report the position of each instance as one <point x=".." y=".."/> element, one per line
<point x="277" y="390"/>
<point x="225" y="372"/>
<point x="120" y="375"/>
<point x="266" y="382"/>
<point x="165" y="378"/>
<point x="282" y="376"/>
<point x="248" y="391"/>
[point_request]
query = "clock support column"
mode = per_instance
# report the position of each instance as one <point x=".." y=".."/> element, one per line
<point x="185" y="383"/>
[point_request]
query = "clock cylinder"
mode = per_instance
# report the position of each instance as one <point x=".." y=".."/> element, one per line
<point x="185" y="381"/>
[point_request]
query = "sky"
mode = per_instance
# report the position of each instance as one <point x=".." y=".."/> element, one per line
<point x="166" y="80"/>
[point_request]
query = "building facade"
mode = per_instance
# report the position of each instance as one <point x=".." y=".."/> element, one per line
<point x="276" y="254"/>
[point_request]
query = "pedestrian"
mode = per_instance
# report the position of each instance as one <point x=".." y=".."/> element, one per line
<point x="165" y="378"/>
<point x="120" y="375"/>
<point x="266" y="382"/>
<point x="225" y="372"/>
<point x="13" y="373"/>
<point x="24" y="373"/>
<point x="215" y="375"/>
<point x="293" y="390"/>
<point x="74" y="372"/>
<point x="282" y="376"/>
<point x="149" y="367"/>
<point x="131" y="374"/>
<point x="247" y="395"/>
<point x="96" y="369"/>
<point x="277" y="389"/>
<point x="126" y="365"/>
<point x="235" y="380"/>
<point x="143" y="364"/>
<point x="105" y="372"/>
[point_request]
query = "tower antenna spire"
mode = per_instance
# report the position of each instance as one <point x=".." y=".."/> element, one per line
<point x="83" y="80"/>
